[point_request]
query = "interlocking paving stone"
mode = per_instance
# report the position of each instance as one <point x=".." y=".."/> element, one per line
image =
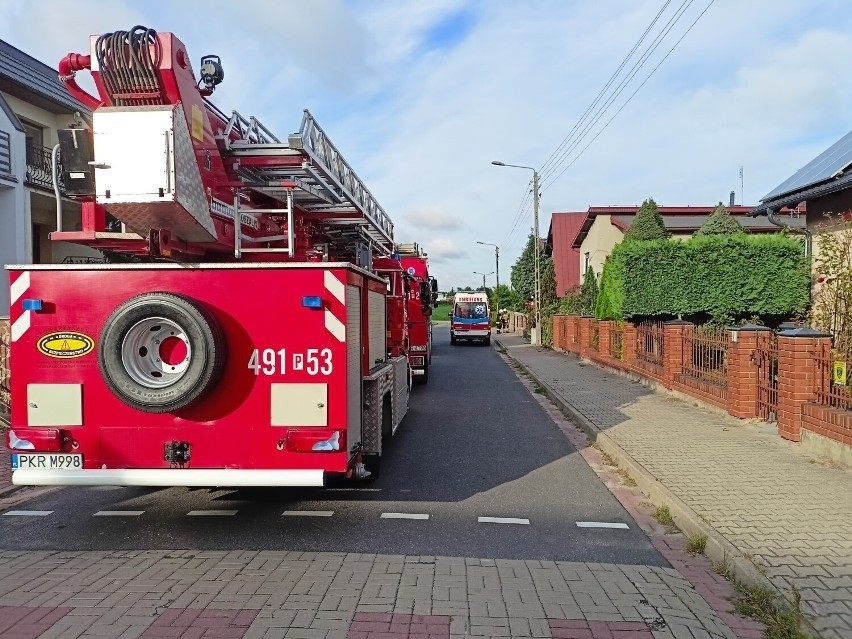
<point x="153" y="594"/>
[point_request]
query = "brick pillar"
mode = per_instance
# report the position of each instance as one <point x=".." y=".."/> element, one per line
<point x="630" y="345"/>
<point x="604" y="331"/>
<point x="585" y="335"/>
<point x="570" y="323"/>
<point x="743" y="370"/>
<point x="673" y="333"/>
<point x="558" y="325"/>
<point x="797" y="371"/>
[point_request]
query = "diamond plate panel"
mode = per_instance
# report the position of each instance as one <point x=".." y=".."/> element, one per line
<point x="400" y="390"/>
<point x="372" y="440"/>
<point x="189" y="189"/>
<point x="150" y="178"/>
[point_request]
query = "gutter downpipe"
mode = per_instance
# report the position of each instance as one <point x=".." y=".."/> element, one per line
<point x="770" y="215"/>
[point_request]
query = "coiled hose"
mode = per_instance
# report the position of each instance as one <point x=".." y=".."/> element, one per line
<point x="128" y="62"/>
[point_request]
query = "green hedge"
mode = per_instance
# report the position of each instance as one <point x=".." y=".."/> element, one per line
<point x="721" y="276"/>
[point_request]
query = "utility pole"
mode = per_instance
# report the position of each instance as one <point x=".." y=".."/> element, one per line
<point x="536" y="334"/>
<point x="497" y="265"/>
<point x="483" y="278"/>
<point x="536" y="341"/>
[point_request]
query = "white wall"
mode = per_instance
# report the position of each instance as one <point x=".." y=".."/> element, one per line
<point x="598" y="243"/>
<point x="15" y="240"/>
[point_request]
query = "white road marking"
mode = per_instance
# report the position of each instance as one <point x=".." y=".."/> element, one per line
<point x="352" y="490"/>
<point x="405" y="516"/>
<point x="307" y="513"/>
<point x="601" y="524"/>
<point x="118" y="513"/>
<point x="28" y="513"/>
<point x="201" y="513"/>
<point x="503" y="520"/>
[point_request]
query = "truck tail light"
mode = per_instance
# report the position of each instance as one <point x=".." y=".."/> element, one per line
<point x="315" y="440"/>
<point x="42" y="440"/>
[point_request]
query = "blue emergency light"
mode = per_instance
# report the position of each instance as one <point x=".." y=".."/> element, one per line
<point x="32" y="305"/>
<point x="312" y="301"/>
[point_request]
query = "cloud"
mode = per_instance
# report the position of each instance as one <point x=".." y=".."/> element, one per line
<point x="442" y="249"/>
<point x="433" y="219"/>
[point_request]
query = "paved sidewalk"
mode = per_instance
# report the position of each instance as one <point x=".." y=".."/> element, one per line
<point x="788" y="513"/>
<point x="270" y="595"/>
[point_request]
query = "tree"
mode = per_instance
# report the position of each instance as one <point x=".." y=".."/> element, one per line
<point x="523" y="271"/>
<point x="507" y="298"/>
<point x="589" y="293"/>
<point x="720" y="223"/>
<point x="548" y="283"/>
<point x="648" y="224"/>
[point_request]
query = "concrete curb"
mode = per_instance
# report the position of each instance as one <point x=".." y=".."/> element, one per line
<point x="717" y="549"/>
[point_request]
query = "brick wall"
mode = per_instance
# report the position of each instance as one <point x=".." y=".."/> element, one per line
<point x="734" y="387"/>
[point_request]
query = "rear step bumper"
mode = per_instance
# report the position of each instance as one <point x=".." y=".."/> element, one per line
<point x="167" y="477"/>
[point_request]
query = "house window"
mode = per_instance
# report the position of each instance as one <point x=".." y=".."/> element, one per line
<point x="35" y="141"/>
<point x="587" y="262"/>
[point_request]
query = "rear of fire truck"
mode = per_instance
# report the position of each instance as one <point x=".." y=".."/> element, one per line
<point x="238" y="333"/>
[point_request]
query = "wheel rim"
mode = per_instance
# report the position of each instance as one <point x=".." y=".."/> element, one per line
<point x="156" y="352"/>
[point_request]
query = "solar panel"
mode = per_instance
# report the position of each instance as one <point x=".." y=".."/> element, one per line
<point x="825" y="166"/>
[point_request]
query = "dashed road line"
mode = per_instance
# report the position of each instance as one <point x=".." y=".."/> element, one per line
<point x="602" y="524"/>
<point x="353" y="490"/>
<point x="405" y="516"/>
<point x="118" y="513"/>
<point x="504" y="520"/>
<point x="211" y="513"/>
<point x="28" y="513"/>
<point x="307" y="513"/>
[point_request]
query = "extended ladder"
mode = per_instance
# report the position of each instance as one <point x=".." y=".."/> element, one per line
<point x="328" y="190"/>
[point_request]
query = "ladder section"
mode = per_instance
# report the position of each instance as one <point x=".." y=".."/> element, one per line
<point x="326" y="187"/>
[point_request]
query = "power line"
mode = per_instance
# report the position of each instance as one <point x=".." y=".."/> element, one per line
<point x="519" y="215"/>
<point x="606" y="86"/>
<point x="648" y="77"/>
<point x="621" y="86"/>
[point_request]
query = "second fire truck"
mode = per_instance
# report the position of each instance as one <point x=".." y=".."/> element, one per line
<point x="250" y="326"/>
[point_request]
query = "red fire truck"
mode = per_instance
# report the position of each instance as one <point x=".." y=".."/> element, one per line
<point x="420" y="303"/>
<point x="249" y="325"/>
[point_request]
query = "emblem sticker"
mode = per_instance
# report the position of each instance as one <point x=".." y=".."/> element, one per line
<point x="66" y="345"/>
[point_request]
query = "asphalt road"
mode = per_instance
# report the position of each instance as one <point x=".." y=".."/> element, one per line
<point x="474" y="444"/>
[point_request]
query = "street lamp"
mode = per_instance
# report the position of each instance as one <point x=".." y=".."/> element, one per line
<point x="535" y="338"/>
<point x="497" y="260"/>
<point x="483" y="278"/>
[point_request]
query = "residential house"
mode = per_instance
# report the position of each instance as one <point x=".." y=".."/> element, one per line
<point x="563" y="229"/>
<point x="823" y="187"/>
<point x="34" y="105"/>
<point x="605" y="226"/>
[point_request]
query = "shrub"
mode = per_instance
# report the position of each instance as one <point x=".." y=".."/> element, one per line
<point x="725" y="276"/>
<point x="648" y="224"/>
<point x="721" y="223"/>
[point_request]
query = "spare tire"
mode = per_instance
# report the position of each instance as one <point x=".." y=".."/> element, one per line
<point x="160" y="352"/>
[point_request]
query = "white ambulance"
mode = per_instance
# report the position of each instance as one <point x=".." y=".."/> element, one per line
<point x="470" y="318"/>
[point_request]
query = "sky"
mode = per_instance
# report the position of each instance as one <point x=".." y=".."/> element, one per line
<point x="421" y="96"/>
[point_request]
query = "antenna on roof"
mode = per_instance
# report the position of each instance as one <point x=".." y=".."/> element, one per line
<point x="742" y="197"/>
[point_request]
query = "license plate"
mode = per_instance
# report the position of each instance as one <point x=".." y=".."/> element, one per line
<point x="48" y="461"/>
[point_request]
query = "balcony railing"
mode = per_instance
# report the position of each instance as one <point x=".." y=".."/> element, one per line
<point x="39" y="168"/>
<point x="5" y="153"/>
